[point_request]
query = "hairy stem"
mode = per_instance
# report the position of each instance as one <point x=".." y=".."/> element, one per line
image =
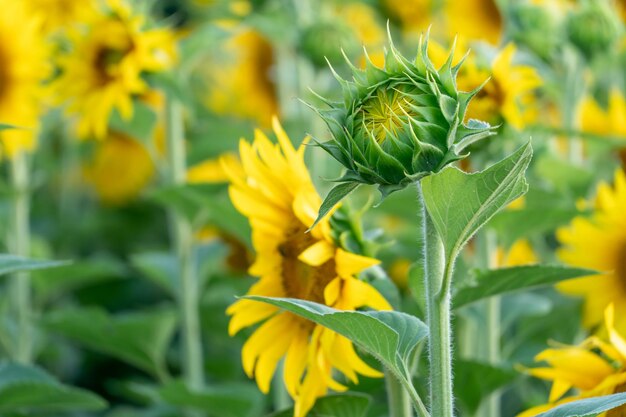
<point x="437" y="275"/>
<point x="182" y="239"/>
<point x="397" y="397"/>
<point x="19" y="239"/>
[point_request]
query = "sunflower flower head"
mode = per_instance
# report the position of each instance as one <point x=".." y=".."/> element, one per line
<point x="105" y="68"/>
<point x="595" y="368"/>
<point x="599" y="243"/>
<point x="23" y="68"/>
<point x="593" y="28"/>
<point x="57" y="15"/>
<point x="474" y="19"/>
<point x="272" y="188"/>
<point x="399" y="123"/>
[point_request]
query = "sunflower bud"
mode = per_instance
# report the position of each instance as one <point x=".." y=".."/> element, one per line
<point x="325" y="40"/>
<point x="399" y="123"/>
<point x="593" y="29"/>
<point x="537" y="27"/>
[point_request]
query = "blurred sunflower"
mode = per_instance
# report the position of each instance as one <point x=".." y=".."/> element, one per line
<point x="599" y="243"/>
<point x="116" y="158"/>
<point x="22" y="70"/>
<point x="594" y="368"/>
<point x="60" y="14"/>
<point x="242" y="86"/>
<point x="411" y="14"/>
<point x="273" y="189"/>
<point x="212" y="170"/>
<point x="611" y="121"/>
<point x="103" y="71"/>
<point x="474" y="19"/>
<point x="520" y="253"/>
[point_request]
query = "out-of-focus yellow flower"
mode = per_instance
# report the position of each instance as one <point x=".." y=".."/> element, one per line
<point x="509" y="94"/>
<point x="611" y="121"/>
<point x="61" y="14"/>
<point x="594" y="368"/>
<point x="211" y="171"/>
<point x="274" y="190"/>
<point x="599" y="243"/>
<point x="412" y="14"/>
<point x="120" y="169"/>
<point x="474" y="19"/>
<point x="23" y="67"/>
<point x="105" y="67"/>
<point x="364" y="22"/>
<point x="242" y="86"/>
<point x="520" y="253"/>
<point x="399" y="272"/>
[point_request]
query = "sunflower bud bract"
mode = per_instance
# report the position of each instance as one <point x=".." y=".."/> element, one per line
<point x="593" y="29"/>
<point x="398" y="124"/>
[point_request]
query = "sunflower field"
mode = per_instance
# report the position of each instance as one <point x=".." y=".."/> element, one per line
<point x="322" y="208"/>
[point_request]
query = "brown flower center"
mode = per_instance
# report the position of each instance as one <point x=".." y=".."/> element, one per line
<point x="106" y="62"/>
<point x="300" y="280"/>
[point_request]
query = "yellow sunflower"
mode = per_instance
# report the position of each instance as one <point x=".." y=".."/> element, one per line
<point x="273" y="189"/>
<point x="594" y="368"/>
<point x="474" y="19"/>
<point x="23" y="67"/>
<point x="412" y="14"/>
<point x="120" y="169"/>
<point x="611" y="121"/>
<point x="60" y="14"/>
<point x="211" y="171"/>
<point x="242" y="86"/>
<point x="105" y="67"/>
<point x="599" y="243"/>
<point x="520" y="253"/>
<point x="509" y="94"/>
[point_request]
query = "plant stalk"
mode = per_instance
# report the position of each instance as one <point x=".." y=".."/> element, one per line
<point x="182" y="239"/>
<point x="437" y="275"/>
<point x="398" y="398"/>
<point x="19" y="239"/>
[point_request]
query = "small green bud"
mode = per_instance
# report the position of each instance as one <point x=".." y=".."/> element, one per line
<point x="325" y="40"/>
<point x="399" y="123"/>
<point x="536" y="27"/>
<point x="593" y="29"/>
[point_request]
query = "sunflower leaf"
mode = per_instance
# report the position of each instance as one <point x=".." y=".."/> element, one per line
<point x="488" y="283"/>
<point x="460" y="203"/>
<point x="13" y="263"/>
<point x="589" y="407"/>
<point x="389" y="336"/>
<point x="335" y="195"/>
<point x="29" y="389"/>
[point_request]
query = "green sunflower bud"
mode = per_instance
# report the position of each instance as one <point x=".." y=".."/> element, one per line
<point x="397" y="124"/>
<point x="593" y="29"/>
<point x="326" y="40"/>
<point x="537" y="27"/>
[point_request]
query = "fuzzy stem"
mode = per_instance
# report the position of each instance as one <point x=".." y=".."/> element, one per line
<point x="20" y="245"/>
<point x="182" y="237"/>
<point x="397" y="397"/>
<point x="493" y="323"/>
<point x="437" y="275"/>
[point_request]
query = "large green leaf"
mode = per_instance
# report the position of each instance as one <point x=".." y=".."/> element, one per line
<point x="28" y="389"/>
<point x="389" y="336"/>
<point x="160" y="268"/>
<point x="506" y="280"/>
<point x="140" y="338"/>
<point x="339" y="405"/>
<point x="13" y="263"/>
<point x="589" y="407"/>
<point x="460" y="203"/>
<point x="225" y="400"/>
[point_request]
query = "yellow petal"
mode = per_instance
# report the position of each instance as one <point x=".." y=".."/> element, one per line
<point x="318" y="253"/>
<point x="349" y="264"/>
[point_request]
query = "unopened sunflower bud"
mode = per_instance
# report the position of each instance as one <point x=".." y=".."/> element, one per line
<point x="593" y="29"/>
<point x="397" y="124"/>
<point x="537" y="27"/>
<point x="325" y="40"/>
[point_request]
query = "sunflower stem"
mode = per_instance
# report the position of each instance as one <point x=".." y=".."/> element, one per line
<point x="437" y="275"/>
<point x="20" y="245"/>
<point x="182" y="240"/>
<point x="397" y="397"/>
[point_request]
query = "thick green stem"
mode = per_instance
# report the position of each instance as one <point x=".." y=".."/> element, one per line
<point x="182" y="236"/>
<point x="437" y="275"/>
<point x="397" y="397"/>
<point x="20" y="245"/>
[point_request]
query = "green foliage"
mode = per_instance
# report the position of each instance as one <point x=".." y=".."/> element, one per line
<point x="589" y="407"/>
<point x="493" y="282"/>
<point x="339" y="405"/>
<point x="139" y="338"/>
<point x="460" y="204"/>
<point x="10" y="264"/>
<point x="28" y="389"/>
<point x="475" y="381"/>
<point x="389" y="336"/>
